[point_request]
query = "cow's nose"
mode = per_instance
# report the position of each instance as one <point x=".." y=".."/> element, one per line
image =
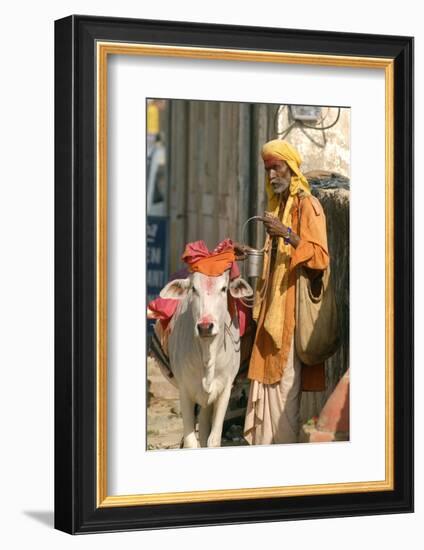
<point x="205" y="329"/>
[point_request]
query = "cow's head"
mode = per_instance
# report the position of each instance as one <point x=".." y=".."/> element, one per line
<point x="208" y="299"/>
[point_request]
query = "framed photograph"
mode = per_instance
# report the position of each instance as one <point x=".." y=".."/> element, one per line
<point x="234" y="274"/>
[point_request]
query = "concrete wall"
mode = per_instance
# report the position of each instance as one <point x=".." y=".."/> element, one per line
<point x="320" y="150"/>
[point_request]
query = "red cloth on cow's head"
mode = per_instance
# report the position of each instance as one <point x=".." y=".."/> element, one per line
<point x="212" y="263"/>
<point x="198" y="258"/>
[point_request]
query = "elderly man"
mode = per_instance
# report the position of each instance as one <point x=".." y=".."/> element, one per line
<point x="296" y="227"/>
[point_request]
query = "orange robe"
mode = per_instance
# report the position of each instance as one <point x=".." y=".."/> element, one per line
<point x="267" y="362"/>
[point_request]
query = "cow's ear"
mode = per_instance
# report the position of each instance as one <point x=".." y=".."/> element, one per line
<point x="176" y="289"/>
<point x="239" y="288"/>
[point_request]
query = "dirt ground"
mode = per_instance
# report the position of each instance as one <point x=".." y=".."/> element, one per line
<point x="165" y="425"/>
<point x="164" y="421"/>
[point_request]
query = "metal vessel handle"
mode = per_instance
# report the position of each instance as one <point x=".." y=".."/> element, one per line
<point x="257" y="218"/>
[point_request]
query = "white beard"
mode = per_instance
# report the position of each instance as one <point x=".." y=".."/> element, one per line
<point x="281" y="187"/>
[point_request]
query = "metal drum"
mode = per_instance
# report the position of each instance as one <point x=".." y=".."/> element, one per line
<point x="255" y="258"/>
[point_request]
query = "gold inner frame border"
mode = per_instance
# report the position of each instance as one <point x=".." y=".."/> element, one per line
<point x="103" y="50"/>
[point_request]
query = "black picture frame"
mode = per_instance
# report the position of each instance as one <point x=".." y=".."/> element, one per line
<point x="76" y="509"/>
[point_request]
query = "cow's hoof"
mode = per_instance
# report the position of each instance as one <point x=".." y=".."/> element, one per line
<point x="190" y="442"/>
<point x="214" y="441"/>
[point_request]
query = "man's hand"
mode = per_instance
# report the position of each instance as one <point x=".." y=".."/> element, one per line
<point x="277" y="229"/>
<point x="273" y="226"/>
<point x="240" y="250"/>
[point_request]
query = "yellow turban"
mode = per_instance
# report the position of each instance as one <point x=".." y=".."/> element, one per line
<point x="275" y="297"/>
<point x="282" y="150"/>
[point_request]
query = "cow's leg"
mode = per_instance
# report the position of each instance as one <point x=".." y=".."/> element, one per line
<point x="187" y="411"/>
<point x="219" y="410"/>
<point x="205" y="416"/>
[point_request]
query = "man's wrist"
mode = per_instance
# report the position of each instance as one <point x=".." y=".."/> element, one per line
<point x="291" y="238"/>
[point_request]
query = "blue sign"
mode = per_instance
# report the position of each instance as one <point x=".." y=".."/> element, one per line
<point x="157" y="252"/>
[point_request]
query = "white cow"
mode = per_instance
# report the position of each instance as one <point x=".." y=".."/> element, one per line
<point x="204" y="351"/>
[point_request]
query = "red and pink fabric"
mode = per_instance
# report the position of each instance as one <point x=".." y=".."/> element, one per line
<point x="199" y="258"/>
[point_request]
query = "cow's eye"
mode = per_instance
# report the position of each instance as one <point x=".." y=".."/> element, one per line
<point x="224" y="289"/>
<point x="194" y="289"/>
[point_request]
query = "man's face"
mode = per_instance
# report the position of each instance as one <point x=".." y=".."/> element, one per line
<point x="279" y="174"/>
